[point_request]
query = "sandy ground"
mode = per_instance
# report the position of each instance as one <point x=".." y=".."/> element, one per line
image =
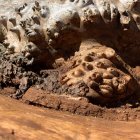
<point x="20" y="121"/>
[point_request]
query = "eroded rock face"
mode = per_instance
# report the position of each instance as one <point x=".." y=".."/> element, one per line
<point x="46" y="29"/>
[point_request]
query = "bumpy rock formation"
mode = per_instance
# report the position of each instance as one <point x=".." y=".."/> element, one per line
<point x="46" y="30"/>
<point x="100" y="73"/>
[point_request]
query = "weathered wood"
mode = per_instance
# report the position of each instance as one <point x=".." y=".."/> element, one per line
<point x="21" y="121"/>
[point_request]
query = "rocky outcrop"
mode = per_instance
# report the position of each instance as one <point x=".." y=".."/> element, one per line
<point x="45" y="30"/>
<point x="99" y="75"/>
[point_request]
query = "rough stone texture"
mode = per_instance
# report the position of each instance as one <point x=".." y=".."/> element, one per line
<point x="45" y="30"/>
<point x="95" y="72"/>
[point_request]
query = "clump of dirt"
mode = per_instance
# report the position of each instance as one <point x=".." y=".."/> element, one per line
<point x="129" y="111"/>
<point x="41" y="86"/>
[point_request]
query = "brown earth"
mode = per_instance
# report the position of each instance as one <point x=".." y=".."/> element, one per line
<point x="22" y="122"/>
<point x="77" y="105"/>
<point x="127" y="112"/>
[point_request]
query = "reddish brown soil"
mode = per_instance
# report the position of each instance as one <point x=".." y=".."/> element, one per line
<point x="127" y="112"/>
<point x="82" y="106"/>
<point x="19" y="121"/>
